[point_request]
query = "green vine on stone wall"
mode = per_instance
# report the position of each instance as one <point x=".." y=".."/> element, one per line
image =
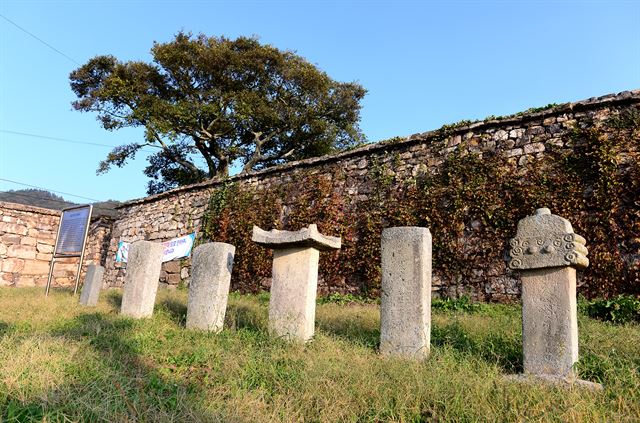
<point x="471" y="204"/>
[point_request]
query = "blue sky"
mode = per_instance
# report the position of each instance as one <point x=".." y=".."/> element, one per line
<point x="424" y="64"/>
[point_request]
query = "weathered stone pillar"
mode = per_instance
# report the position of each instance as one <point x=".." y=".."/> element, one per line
<point x="141" y="280"/>
<point x="92" y="285"/>
<point x="547" y="252"/>
<point x="405" y="309"/>
<point x="211" y="268"/>
<point x="292" y="307"/>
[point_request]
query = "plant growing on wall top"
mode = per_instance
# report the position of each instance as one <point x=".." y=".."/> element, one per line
<point x="220" y="102"/>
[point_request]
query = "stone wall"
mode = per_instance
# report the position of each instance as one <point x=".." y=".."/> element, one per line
<point x="516" y="140"/>
<point x="27" y="238"/>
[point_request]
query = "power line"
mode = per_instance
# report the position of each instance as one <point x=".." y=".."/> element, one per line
<point x="50" y="190"/>
<point x="39" y="39"/>
<point x="67" y="140"/>
<point x="6" y="131"/>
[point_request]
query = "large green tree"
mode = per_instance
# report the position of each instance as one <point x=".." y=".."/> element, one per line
<point x="208" y="103"/>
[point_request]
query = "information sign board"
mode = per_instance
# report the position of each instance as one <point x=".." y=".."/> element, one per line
<point x="73" y="231"/>
<point x="71" y="239"/>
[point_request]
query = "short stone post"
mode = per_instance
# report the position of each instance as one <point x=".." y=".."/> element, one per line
<point x="211" y="268"/>
<point x="142" y="278"/>
<point x="547" y="252"/>
<point x="92" y="285"/>
<point x="292" y="307"/>
<point x="405" y="309"/>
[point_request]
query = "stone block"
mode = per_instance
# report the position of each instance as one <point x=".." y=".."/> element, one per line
<point x="44" y="248"/>
<point x="172" y="266"/>
<point x="44" y="257"/>
<point x="173" y="278"/>
<point x="141" y="279"/>
<point x="14" y="228"/>
<point x="12" y="265"/>
<point x="292" y="306"/>
<point x="212" y="264"/>
<point x="22" y="251"/>
<point x="28" y="241"/>
<point x="35" y="267"/>
<point x="535" y="147"/>
<point x="9" y="239"/>
<point x="405" y="309"/>
<point x="92" y="285"/>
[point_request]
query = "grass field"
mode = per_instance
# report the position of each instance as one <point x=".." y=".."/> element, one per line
<point x="62" y="362"/>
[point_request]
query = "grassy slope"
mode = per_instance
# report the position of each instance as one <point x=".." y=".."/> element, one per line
<point x="63" y="362"/>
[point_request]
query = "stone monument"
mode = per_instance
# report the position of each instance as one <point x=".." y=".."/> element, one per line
<point x="211" y="267"/>
<point x="92" y="285"/>
<point x="292" y="306"/>
<point x="142" y="278"/>
<point x="547" y="252"/>
<point x="405" y="308"/>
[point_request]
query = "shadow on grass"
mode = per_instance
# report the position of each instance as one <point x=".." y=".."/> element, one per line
<point x="242" y="316"/>
<point x="350" y="329"/>
<point x="124" y="384"/>
<point x="177" y="310"/>
<point x="4" y="328"/>
<point x="503" y="349"/>
<point x="114" y="298"/>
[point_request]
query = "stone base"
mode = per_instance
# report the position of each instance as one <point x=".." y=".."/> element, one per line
<point x="554" y="381"/>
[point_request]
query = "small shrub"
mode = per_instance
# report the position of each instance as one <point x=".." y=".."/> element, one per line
<point x="463" y="303"/>
<point x="621" y="309"/>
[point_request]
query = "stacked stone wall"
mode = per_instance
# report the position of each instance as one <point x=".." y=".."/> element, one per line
<point x="516" y="140"/>
<point x="27" y="238"/>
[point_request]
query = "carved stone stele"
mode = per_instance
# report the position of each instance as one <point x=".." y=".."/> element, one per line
<point x="546" y="240"/>
<point x="547" y="252"/>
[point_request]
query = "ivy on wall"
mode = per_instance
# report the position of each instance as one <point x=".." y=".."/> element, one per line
<point x="471" y="204"/>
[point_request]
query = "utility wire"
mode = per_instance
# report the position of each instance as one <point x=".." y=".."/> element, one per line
<point x="50" y="190"/>
<point x="7" y="131"/>
<point x="67" y="140"/>
<point x="39" y="39"/>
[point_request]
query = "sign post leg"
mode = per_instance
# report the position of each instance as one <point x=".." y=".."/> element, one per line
<point x="46" y="291"/>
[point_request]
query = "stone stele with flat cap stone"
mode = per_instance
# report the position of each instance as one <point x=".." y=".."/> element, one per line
<point x="292" y="307"/>
<point x="547" y="252"/>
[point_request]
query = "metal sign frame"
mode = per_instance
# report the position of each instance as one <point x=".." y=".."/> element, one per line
<point x="57" y="255"/>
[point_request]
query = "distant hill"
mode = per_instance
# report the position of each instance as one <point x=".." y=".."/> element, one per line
<point x="49" y="200"/>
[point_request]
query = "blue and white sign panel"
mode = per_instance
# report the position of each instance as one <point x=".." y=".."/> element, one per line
<point x="173" y="249"/>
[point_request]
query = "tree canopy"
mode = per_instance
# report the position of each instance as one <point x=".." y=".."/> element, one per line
<point x="208" y="103"/>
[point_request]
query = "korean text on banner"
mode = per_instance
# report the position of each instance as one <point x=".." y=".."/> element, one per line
<point x="173" y="249"/>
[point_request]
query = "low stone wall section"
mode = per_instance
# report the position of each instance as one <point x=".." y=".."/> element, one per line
<point x="27" y="238"/>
